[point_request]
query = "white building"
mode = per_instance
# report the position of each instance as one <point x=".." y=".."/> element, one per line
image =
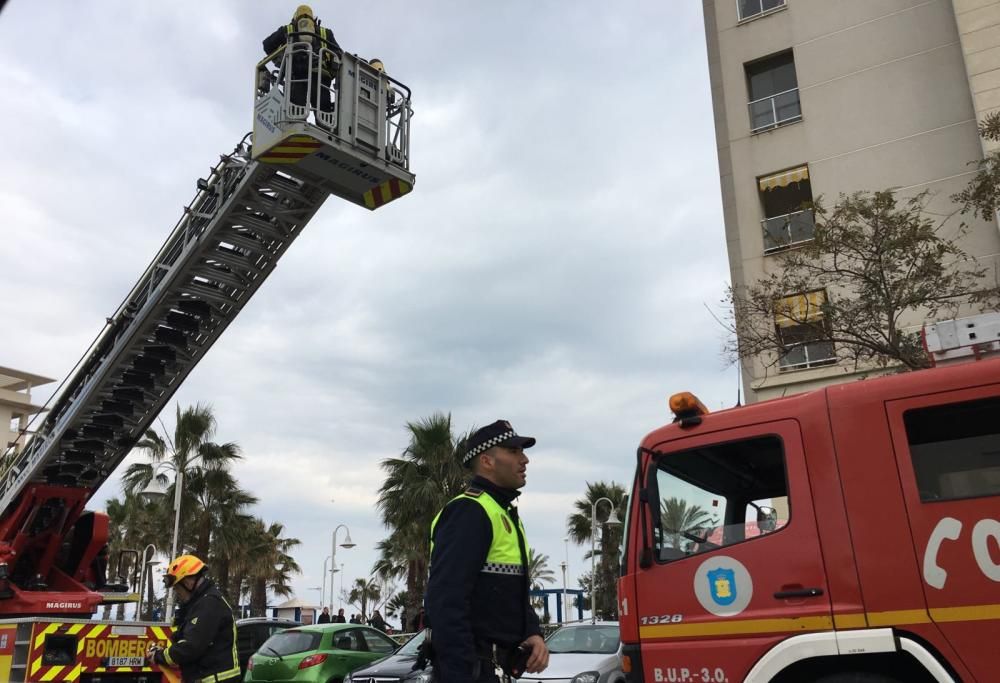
<point x="812" y="98"/>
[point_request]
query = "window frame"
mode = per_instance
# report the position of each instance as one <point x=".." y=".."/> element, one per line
<point x="654" y="484"/>
<point x="740" y="19"/>
<point x="316" y="640"/>
<point x="806" y="324"/>
<point x="749" y="67"/>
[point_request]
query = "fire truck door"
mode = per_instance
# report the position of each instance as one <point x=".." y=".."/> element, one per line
<point x="947" y="449"/>
<point x="737" y="563"/>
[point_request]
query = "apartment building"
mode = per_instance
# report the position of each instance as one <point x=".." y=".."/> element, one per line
<point x="16" y="406"/>
<point x="817" y="98"/>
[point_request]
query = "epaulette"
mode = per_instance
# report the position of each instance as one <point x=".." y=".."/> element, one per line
<point x="473" y="491"/>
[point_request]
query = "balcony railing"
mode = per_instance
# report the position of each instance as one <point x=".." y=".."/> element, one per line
<point x="807" y="355"/>
<point x="752" y="8"/>
<point x="775" y="110"/>
<point x="788" y="230"/>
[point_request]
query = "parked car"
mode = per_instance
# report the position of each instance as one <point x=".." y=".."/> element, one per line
<point x="324" y="653"/>
<point x="251" y="634"/>
<point x="396" y="667"/>
<point x="588" y="652"/>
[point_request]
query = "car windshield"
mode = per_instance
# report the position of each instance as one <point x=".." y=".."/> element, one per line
<point x="589" y="638"/>
<point x="412" y="645"/>
<point x="290" y="642"/>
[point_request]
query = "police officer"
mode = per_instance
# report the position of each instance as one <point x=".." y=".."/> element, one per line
<point x="305" y="28"/>
<point x="204" y="640"/>
<point x="477" y="598"/>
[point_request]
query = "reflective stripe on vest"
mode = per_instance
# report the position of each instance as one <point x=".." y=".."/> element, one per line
<point x="504" y="556"/>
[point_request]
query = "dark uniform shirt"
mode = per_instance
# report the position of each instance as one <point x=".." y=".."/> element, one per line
<point x="468" y="609"/>
<point x="204" y="640"/>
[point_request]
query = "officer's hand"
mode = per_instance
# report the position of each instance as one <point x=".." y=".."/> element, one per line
<point x="151" y="652"/>
<point x="538" y="660"/>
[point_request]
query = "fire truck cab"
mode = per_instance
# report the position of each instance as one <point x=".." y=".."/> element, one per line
<point x="847" y="534"/>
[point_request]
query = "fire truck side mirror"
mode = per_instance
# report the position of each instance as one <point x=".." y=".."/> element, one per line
<point x="767" y="519"/>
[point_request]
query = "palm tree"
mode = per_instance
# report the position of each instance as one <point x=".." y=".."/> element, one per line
<point x="369" y="592"/>
<point x="677" y="518"/>
<point x="396" y="607"/>
<point x="264" y="564"/>
<point x="579" y="527"/>
<point x="132" y="525"/>
<point x="539" y="573"/>
<point x="417" y="485"/>
<point x="209" y="491"/>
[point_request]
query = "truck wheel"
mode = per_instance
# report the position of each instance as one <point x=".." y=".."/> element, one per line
<point x="856" y="677"/>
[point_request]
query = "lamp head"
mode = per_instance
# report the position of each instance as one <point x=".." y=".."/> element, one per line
<point x="348" y="543"/>
<point x="154" y="491"/>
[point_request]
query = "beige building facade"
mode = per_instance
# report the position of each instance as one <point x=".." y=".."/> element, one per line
<point x="17" y="407"/>
<point x="815" y="98"/>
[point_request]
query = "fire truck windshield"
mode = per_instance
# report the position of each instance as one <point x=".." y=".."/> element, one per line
<point x="718" y="496"/>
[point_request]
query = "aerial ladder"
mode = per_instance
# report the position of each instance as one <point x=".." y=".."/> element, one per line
<point x="246" y="213"/>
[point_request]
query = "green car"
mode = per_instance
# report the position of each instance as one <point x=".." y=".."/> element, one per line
<point x="324" y="653"/>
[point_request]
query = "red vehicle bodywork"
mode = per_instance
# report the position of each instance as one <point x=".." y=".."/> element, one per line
<point x="869" y="573"/>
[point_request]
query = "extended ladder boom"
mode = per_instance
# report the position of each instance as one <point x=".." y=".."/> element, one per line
<point x="351" y="141"/>
<point x="231" y="236"/>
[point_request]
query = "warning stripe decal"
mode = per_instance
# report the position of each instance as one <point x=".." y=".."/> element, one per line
<point x="291" y="149"/>
<point x="85" y="633"/>
<point x="386" y="192"/>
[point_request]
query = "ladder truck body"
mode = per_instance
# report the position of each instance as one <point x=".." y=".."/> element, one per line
<point x="254" y="203"/>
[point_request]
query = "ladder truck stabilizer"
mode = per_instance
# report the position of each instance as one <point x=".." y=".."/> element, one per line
<point x="244" y="216"/>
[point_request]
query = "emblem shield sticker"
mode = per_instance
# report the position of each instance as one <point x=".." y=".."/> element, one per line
<point x="723" y="586"/>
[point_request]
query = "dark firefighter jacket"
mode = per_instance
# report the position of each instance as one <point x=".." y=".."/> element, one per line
<point x="469" y="603"/>
<point x="204" y="641"/>
<point x="281" y="35"/>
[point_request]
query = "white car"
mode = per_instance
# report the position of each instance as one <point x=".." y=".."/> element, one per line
<point x="588" y="652"/>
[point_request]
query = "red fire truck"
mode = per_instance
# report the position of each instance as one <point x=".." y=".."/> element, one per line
<point x="847" y="534"/>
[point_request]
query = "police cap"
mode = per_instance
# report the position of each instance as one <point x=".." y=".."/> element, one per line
<point x="500" y="433"/>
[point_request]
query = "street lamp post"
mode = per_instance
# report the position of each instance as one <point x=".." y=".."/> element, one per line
<point x="322" y="595"/>
<point x="565" y="613"/>
<point x="566" y="562"/>
<point x="612" y="519"/>
<point x="348" y="543"/>
<point x="155" y="490"/>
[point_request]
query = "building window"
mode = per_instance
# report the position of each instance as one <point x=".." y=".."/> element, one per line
<point x="754" y="8"/>
<point x="955" y="449"/>
<point x="788" y="215"/>
<point x="804" y="332"/>
<point x="774" y="92"/>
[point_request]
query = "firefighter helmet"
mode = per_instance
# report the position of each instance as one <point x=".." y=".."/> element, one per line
<point x="302" y="11"/>
<point x="183" y="567"/>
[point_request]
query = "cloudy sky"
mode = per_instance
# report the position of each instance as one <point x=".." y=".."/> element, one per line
<point x="552" y="266"/>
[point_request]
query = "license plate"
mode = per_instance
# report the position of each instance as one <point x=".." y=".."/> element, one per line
<point x="126" y="661"/>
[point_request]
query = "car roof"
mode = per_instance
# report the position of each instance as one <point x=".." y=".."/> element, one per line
<point x="331" y="627"/>
<point x="267" y="620"/>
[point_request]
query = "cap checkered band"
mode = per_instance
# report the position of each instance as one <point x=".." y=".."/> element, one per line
<point x="500" y="568"/>
<point x="487" y="445"/>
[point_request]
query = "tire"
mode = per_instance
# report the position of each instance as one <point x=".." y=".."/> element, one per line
<point x="856" y="677"/>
